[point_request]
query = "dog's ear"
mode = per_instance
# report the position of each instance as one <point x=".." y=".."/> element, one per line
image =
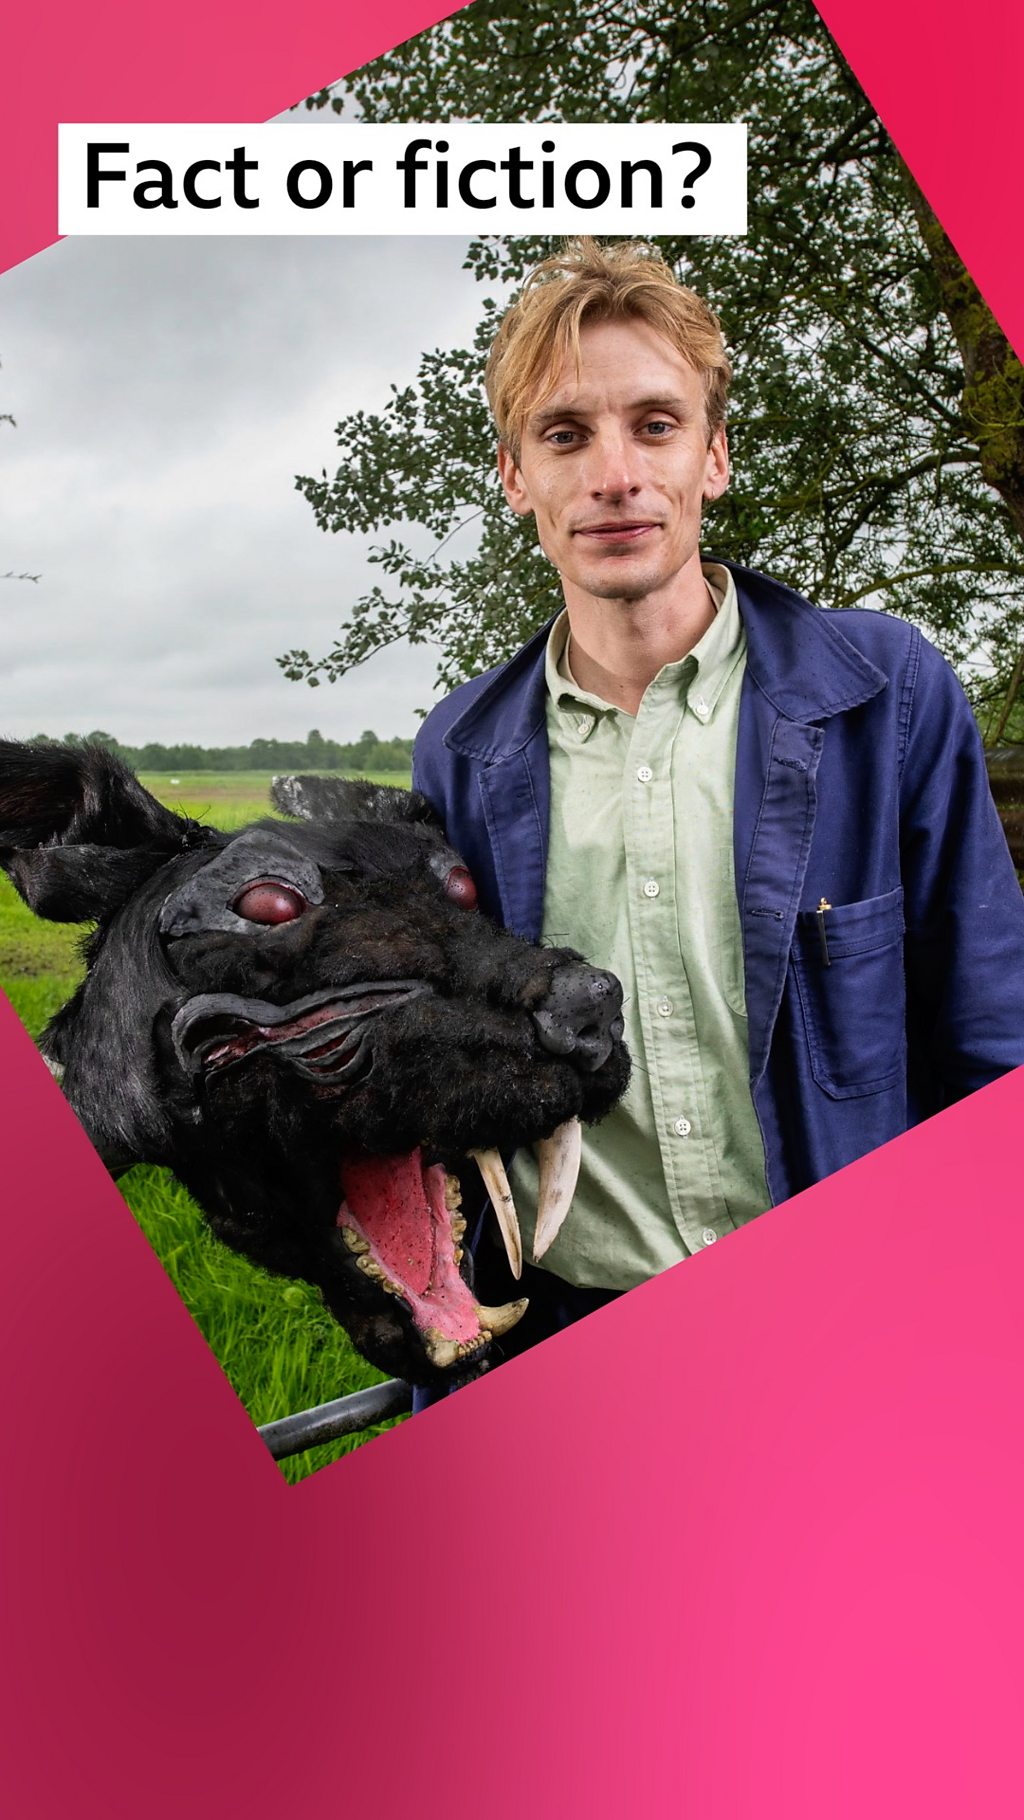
<point x="348" y="799"/>
<point x="78" y="833"/>
<point x="78" y="884"/>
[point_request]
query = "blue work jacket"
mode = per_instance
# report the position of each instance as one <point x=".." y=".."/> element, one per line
<point x="860" y="780"/>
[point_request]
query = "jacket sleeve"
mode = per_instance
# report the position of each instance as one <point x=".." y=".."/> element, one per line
<point x="418" y="779"/>
<point x="963" y="903"/>
<point x="432" y="766"/>
<point x="449" y="782"/>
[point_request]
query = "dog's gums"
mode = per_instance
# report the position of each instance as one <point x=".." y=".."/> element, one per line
<point x="401" y="1219"/>
<point x="309" y="1022"/>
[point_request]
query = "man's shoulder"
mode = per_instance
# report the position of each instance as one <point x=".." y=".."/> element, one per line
<point x="813" y="662"/>
<point x="893" y="645"/>
<point x="493" y="711"/>
<point x="451" y="707"/>
<point x="870" y="629"/>
<point x="898" y="647"/>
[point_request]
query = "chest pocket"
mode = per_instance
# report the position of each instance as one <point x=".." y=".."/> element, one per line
<point x="854" y="1009"/>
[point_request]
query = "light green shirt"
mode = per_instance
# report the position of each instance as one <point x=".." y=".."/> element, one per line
<point x="640" y="879"/>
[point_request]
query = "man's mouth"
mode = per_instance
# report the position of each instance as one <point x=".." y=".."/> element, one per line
<point x="619" y="531"/>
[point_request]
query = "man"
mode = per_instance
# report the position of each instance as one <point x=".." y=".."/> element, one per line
<point x="771" y="821"/>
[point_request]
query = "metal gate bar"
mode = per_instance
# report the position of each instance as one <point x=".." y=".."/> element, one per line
<point x="330" y="1421"/>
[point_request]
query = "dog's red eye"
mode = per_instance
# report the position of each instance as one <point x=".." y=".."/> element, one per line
<point x="459" y="886"/>
<point x="268" y="902"/>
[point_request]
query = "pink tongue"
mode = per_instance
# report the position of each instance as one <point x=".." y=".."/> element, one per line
<point x="387" y="1196"/>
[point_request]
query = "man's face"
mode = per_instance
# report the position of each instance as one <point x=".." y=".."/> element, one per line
<point x="615" y="465"/>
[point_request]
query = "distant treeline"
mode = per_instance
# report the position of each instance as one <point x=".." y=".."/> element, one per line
<point x="314" y="753"/>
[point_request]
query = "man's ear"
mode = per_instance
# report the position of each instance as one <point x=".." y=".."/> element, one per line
<point x="716" y="472"/>
<point x="512" y="482"/>
<point x="348" y="799"/>
<point x="78" y="832"/>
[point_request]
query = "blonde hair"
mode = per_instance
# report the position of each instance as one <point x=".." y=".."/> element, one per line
<point x="587" y="283"/>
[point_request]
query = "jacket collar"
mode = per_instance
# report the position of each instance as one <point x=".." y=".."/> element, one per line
<point x="796" y="655"/>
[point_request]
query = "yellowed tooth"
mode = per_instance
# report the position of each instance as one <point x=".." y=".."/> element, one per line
<point x="440" y="1351"/>
<point x="558" y="1161"/>
<point x="494" y="1322"/>
<point x="444" y="1353"/>
<point x="492" y="1169"/>
<point x="499" y="1320"/>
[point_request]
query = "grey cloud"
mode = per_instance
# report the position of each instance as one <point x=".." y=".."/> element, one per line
<point x="166" y="394"/>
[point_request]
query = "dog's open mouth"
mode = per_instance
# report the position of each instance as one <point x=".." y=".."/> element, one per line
<point x="401" y="1219"/>
<point x="399" y="1215"/>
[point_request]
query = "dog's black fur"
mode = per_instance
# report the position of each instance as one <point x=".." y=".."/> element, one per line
<point x="378" y="1016"/>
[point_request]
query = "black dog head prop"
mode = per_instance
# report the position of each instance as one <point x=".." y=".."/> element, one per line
<point x="308" y="1023"/>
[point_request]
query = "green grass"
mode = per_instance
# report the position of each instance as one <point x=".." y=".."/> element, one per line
<point x="278" y="1345"/>
<point x="39" y="962"/>
<point x="280" y="1349"/>
<point x="229" y="799"/>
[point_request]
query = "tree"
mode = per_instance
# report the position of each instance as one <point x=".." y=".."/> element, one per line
<point x="877" y="426"/>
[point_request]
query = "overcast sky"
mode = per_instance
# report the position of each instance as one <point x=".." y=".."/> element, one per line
<point x="166" y="393"/>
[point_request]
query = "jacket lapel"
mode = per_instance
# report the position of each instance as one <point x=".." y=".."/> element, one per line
<point x="504" y="734"/>
<point x="515" y="792"/>
<point x="771" y="885"/>
<point x="800" y="672"/>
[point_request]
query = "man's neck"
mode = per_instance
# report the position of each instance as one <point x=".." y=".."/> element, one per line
<point x="618" y="647"/>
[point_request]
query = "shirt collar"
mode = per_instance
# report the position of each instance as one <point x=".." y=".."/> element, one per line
<point x="797" y="660"/>
<point x="712" y="660"/>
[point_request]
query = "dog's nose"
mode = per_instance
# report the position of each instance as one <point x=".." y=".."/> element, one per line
<point x="581" y="1015"/>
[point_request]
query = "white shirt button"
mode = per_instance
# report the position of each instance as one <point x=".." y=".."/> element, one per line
<point x="708" y="1236"/>
<point x="651" y="888"/>
<point x="682" y="1127"/>
<point x="700" y="708"/>
<point x="645" y="774"/>
<point x="664" y="1007"/>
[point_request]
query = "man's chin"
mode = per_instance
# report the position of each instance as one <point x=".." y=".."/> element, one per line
<point x="628" y="587"/>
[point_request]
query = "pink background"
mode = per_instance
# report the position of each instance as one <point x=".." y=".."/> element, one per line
<point x="745" y="1544"/>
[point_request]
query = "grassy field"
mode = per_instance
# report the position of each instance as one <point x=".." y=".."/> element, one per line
<point x="228" y="799"/>
<point x="278" y="1346"/>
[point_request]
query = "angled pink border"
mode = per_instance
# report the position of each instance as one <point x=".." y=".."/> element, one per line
<point x="946" y="82"/>
<point x="108" y="61"/>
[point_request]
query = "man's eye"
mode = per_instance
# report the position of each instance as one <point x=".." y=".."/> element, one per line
<point x="460" y="887"/>
<point x="658" y="427"/>
<point x="265" y="901"/>
<point x="563" y="439"/>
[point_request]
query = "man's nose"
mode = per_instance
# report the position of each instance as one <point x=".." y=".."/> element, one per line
<point x="614" y="464"/>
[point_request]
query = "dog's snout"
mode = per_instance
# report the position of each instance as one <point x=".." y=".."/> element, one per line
<point x="581" y="1015"/>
